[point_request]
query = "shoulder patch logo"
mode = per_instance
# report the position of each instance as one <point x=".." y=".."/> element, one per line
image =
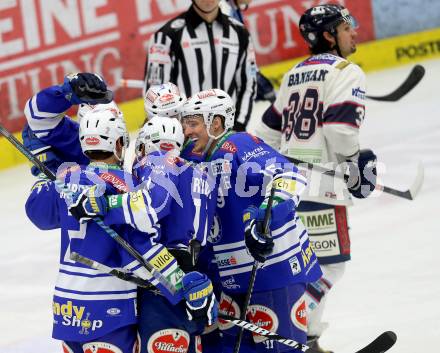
<point x="229" y="147"/>
<point x="358" y="92"/>
<point x="342" y="65"/>
<point x="177" y="24"/>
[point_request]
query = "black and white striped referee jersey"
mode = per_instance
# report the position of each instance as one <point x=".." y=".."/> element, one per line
<point x="196" y="55"/>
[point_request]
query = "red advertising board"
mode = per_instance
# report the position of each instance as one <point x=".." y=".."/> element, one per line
<point x="43" y="40"/>
<point x="274" y="26"/>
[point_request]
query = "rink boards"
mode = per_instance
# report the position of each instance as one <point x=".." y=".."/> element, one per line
<point x="371" y="56"/>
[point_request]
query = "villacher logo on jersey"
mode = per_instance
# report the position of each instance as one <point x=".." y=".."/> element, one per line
<point x="263" y="317"/>
<point x="169" y="340"/>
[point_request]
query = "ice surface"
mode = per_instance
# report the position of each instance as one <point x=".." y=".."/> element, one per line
<point x="392" y="282"/>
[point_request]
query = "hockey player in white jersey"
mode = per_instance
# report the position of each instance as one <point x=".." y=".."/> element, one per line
<point x="316" y="118"/>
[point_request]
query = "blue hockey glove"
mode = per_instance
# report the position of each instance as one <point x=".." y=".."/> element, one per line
<point x="41" y="150"/>
<point x="259" y="245"/>
<point x="88" y="203"/>
<point x="201" y="305"/>
<point x="86" y="88"/>
<point x="362" y="174"/>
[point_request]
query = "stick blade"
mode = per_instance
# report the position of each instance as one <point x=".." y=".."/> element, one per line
<point x="381" y="344"/>
<point x="411" y="193"/>
<point x="418" y="182"/>
<point x="411" y="81"/>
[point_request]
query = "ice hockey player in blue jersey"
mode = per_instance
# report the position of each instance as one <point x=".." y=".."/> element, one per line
<point x="165" y="100"/>
<point x="40" y="113"/>
<point x="89" y="203"/>
<point x="183" y="232"/>
<point x="92" y="310"/>
<point x="246" y="168"/>
<point x="56" y="134"/>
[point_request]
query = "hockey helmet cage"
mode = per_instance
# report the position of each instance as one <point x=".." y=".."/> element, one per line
<point x="99" y="130"/>
<point x="211" y="103"/>
<point x="164" y="100"/>
<point x="160" y="133"/>
<point x="323" y="18"/>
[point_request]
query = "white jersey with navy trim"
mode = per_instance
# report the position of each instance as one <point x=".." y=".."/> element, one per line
<point x="316" y="118"/>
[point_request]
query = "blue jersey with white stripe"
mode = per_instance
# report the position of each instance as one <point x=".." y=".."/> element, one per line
<point x="45" y="115"/>
<point x="193" y="194"/>
<point x="244" y="167"/>
<point x="99" y="303"/>
<point x="87" y="303"/>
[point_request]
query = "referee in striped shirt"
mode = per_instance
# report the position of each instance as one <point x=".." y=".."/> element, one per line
<point x="202" y="49"/>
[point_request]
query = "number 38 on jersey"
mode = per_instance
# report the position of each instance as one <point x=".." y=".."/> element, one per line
<point x="302" y="115"/>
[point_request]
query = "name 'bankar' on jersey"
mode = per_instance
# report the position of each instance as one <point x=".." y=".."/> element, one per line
<point x="316" y="118"/>
<point x="307" y="76"/>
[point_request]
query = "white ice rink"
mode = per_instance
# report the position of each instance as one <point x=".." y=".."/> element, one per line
<point x="392" y="282"/>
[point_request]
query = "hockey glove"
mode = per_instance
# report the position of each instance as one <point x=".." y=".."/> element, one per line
<point x="88" y="204"/>
<point x="201" y="304"/>
<point x="239" y="127"/>
<point x="41" y="150"/>
<point x="265" y="90"/>
<point x="259" y="245"/>
<point x="362" y="174"/>
<point x="86" y="88"/>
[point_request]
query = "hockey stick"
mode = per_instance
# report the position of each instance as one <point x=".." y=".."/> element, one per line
<point x="247" y="298"/>
<point x="411" y="81"/>
<point x="408" y="194"/>
<point x="379" y="345"/>
<point x="414" y="77"/>
<point x="127" y="83"/>
<point x="121" y="241"/>
<point x="125" y="276"/>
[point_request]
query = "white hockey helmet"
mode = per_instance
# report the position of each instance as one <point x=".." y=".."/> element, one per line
<point x="164" y="100"/>
<point x="100" y="129"/>
<point x="211" y="103"/>
<point x="83" y="108"/>
<point x="160" y="134"/>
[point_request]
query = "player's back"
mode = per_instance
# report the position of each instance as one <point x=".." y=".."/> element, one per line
<point x="320" y="100"/>
<point x="87" y="303"/>
<point x="316" y="119"/>
<point x="193" y="198"/>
